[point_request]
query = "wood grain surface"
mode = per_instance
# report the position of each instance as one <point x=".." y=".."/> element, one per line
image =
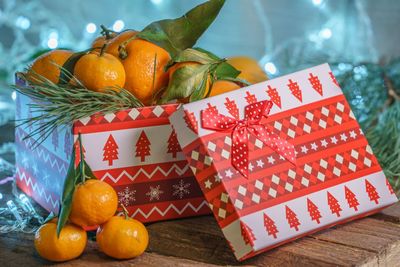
<point x="372" y="241"/>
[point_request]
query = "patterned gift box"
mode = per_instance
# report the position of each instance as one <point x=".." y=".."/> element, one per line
<point x="134" y="150"/>
<point x="271" y="178"/>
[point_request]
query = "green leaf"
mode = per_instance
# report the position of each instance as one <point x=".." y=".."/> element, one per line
<point x="175" y="35"/>
<point x="68" y="192"/>
<point x="66" y="206"/>
<point x="88" y="171"/>
<point x="226" y="70"/>
<point x="50" y="217"/>
<point x="199" y="92"/>
<point x="185" y="81"/>
<point x="195" y="55"/>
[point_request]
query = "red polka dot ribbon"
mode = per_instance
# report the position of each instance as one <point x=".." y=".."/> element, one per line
<point x="241" y="129"/>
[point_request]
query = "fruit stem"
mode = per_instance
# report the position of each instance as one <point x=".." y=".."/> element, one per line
<point x="106" y="32"/>
<point x="122" y="48"/>
<point x="125" y="212"/>
<point x="103" y="48"/>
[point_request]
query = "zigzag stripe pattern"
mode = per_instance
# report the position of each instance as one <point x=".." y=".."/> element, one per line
<point x="42" y="153"/>
<point x="170" y="207"/>
<point x="36" y="188"/>
<point x="174" y="167"/>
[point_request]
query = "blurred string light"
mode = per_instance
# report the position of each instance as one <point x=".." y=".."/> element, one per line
<point x="156" y="2"/>
<point x="52" y="42"/>
<point x="317" y="2"/>
<point x="14" y="95"/>
<point x="23" y="23"/>
<point x="270" y="68"/>
<point x="118" y="25"/>
<point x="325" y="33"/>
<point x="91" y="27"/>
<point x="18" y="212"/>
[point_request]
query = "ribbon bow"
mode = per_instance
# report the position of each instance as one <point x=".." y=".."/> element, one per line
<point x="241" y="129"/>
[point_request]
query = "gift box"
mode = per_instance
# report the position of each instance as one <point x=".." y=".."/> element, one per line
<point x="281" y="159"/>
<point x="134" y="150"/>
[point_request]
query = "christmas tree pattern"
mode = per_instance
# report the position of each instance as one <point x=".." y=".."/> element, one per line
<point x="67" y="143"/>
<point x="372" y="193"/>
<point x="333" y="78"/>
<point x="315" y="83"/>
<point x="295" y="89"/>
<point x="313" y="211"/>
<point x="270" y="226"/>
<point x="250" y="98"/>
<point x="54" y="138"/>
<point x="351" y="198"/>
<point x="232" y="108"/>
<point x="110" y="150"/>
<point x="142" y="146"/>
<point x="391" y="191"/>
<point x="292" y="219"/>
<point x="211" y="108"/>
<point x="247" y="234"/>
<point x="334" y="205"/>
<point x="173" y="144"/>
<point x="78" y="152"/>
<point x="191" y="121"/>
<point x="273" y="94"/>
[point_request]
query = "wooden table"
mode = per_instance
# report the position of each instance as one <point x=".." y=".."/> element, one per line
<point x="373" y="241"/>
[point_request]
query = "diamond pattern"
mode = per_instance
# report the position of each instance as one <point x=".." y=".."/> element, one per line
<point x="277" y="184"/>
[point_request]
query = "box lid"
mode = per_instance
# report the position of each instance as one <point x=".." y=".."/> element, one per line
<point x="280" y="159"/>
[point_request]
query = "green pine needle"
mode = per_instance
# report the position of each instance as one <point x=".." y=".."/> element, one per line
<point x="57" y="105"/>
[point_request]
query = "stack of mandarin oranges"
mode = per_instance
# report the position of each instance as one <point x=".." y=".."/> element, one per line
<point x="94" y="204"/>
<point x="141" y="69"/>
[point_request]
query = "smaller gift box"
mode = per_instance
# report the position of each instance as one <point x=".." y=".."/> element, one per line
<point x="281" y="159"/>
<point x="134" y="150"/>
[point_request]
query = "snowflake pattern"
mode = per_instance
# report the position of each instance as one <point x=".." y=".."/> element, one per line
<point x="181" y="189"/>
<point x="126" y="196"/>
<point x="154" y="193"/>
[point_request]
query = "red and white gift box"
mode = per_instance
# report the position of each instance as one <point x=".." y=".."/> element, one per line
<point x="271" y="176"/>
<point x="134" y="150"/>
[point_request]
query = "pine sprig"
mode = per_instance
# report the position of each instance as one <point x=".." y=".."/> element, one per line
<point x="61" y="104"/>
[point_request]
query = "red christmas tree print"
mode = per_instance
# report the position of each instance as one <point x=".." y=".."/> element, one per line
<point x="315" y="83"/>
<point x="292" y="219"/>
<point x="334" y="205"/>
<point x="270" y="226"/>
<point x="232" y="108"/>
<point x="142" y="146"/>
<point x="333" y="78"/>
<point x="389" y="187"/>
<point x="211" y="108"/>
<point x="295" y="89"/>
<point x="191" y="121"/>
<point x="351" y="198"/>
<point x="173" y="144"/>
<point x="250" y="98"/>
<point x="273" y="94"/>
<point x="313" y="211"/>
<point x="78" y="152"/>
<point x="110" y="150"/>
<point x="247" y="234"/>
<point x="371" y="190"/>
